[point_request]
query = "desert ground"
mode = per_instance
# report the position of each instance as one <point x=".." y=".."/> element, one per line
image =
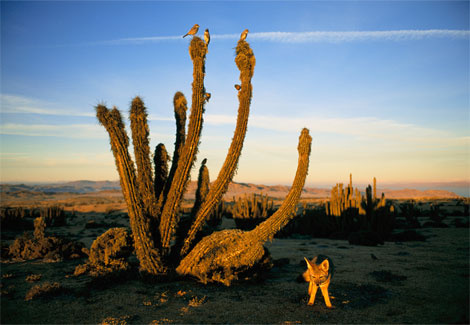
<point x="398" y="282"/>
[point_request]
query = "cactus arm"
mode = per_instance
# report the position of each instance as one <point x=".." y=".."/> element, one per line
<point x="160" y="160"/>
<point x="245" y="61"/>
<point x="198" y="52"/>
<point x="180" y="108"/>
<point x="148" y="256"/>
<point x="140" y="140"/>
<point x="203" y="183"/>
<point x="267" y="229"/>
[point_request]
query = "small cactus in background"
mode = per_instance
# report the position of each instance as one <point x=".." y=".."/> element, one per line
<point x="354" y="212"/>
<point x="249" y="211"/>
<point x="162" y="237"/>
<point x="39" y="229"/>
<point x="342" y="199"/>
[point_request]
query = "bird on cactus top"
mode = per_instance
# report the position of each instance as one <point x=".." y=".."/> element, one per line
<point x="244" y="35"/>
<point x="192" y="31"/>
<point x="207" y="37"/>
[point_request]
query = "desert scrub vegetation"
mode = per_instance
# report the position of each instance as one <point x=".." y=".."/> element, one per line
<point x="108" y="254"/>
<point x="39" y="246"/>
<point x="164" y="242"/>
<point x="47" y="289"/>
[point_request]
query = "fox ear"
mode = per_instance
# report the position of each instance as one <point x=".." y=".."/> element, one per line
<point x="308" y="263"/>
<point x="325" y="265"/>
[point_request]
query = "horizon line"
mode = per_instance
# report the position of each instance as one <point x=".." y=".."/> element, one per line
<point x="461" y="182"/>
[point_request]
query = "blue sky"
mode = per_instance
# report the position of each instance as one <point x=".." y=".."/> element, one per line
<point x="382" y="86"/>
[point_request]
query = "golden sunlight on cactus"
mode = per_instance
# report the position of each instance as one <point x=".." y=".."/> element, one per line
<point x="162" y="238"/>
<point x="227" y="255"/>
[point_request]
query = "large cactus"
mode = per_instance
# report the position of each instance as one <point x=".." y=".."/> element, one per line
<point x="161" y="238"/>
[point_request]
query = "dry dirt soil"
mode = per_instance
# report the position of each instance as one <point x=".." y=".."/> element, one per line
<point x="410" y="282"/>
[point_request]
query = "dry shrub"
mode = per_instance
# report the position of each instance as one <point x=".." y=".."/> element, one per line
<point x="33" y="277"/>
<point x="28" y="247"/>
<point x="108" y="254"/>
<point x="122" y="320"/>
<point x="162" y="321"/>
<point x="47" y="289"/>
<point x="197" y="302"/>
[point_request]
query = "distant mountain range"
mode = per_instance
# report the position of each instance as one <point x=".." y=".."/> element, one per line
<point x="77" y="187"/>
<point x="235" y="190"/>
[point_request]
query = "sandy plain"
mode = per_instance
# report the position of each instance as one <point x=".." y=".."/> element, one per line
<point x="399" y="282"/>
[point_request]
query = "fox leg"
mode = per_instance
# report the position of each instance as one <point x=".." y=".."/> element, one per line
<point x="324" y="291"/>
<point x="312" y="291"/>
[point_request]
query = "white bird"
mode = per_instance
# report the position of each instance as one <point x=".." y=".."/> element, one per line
<point x="192" y="31"/>
<point x="244" y="35"/>
<point x="207" y="37"/>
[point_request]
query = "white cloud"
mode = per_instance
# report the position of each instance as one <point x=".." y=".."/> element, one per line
<point x="353" y="36"/>
<point x="371" y="128"/>
<point x="23" y="105"/>
<point x="78" y="131"/>
<point x="360" y="127"/>
<point x="313" y="37"/>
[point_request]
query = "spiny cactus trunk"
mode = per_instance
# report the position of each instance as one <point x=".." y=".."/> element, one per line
<point x="203" y="182"/>
<point x="172" y="203"/>
<point x="146" y="251"/>
<point x="228" y="255"/>
<point x="245" y="61"/>
<point x="160" y="160"/>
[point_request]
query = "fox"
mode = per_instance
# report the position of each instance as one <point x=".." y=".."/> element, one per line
<point x="319" y="274"/>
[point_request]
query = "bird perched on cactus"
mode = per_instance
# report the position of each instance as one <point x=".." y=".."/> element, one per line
<point x="238" y="87"/>
<point x="192" y="31"/>
<point x="207" y="37"/>
<point x="207" y="97"/>
<point x="244" y="35"/>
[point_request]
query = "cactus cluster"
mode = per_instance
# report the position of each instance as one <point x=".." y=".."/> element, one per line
<point x="162" y="239"/>
<point x="343" y="199"/>
<point x="21" y="218"/>
<point x="350" y="212"/>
